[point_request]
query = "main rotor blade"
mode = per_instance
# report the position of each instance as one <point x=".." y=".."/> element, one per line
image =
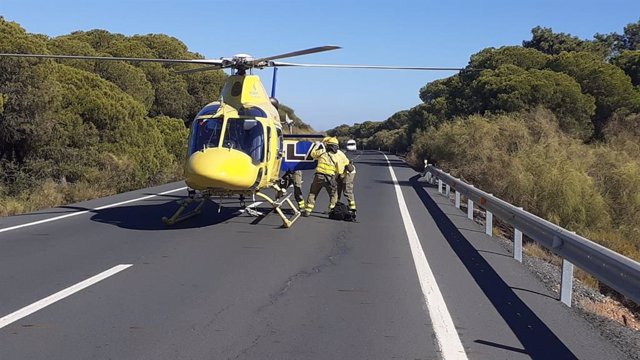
<point x="108" y="58"/>
<point x="297" y="53"/>
<point x="204" y="68"/>
<point x="375" y="67"/>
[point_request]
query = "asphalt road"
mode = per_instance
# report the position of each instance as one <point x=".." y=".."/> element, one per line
<point x="219" y="287"/>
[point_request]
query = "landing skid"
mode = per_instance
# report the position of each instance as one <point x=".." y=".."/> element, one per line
<point x="184" y="204"/>
<point x="251" y="210"/>
<point x="281" y="199"/>
<point x="199" y="199"/>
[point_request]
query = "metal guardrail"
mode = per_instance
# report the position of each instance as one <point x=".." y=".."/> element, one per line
<point x="613" y="269"/>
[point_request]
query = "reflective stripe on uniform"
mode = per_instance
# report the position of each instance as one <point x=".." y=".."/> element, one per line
<point x="326" y="163"/>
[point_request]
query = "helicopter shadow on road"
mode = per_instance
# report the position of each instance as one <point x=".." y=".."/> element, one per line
<point x="536" y="337"/>
<point x="147" y="215"/>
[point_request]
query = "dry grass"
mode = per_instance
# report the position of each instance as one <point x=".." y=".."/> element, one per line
<point x="11" y="206"/>
<point x="84" y="191"/>
<point x="534" y="250"/>
<point x="51" y="194"/>
<point x="612" y="309"/>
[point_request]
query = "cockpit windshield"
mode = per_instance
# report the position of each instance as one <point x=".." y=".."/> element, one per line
<point x="205" y="133"/>
<point x="246" y="135"/>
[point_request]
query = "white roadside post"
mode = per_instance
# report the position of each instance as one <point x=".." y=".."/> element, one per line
<point x="566" y="283"/>
<point x="517" y="244"/>
<point x="488" y="226"/>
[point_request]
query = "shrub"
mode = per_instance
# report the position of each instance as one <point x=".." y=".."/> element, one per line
<point x="593" y="189"/>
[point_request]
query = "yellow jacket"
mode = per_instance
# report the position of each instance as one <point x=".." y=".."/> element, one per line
<point x="341" y="162"/>
<point x="327" y="163"/>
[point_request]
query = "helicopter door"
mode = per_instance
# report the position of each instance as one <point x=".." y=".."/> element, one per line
<point x="266" y="172"/>
<point x="280" y="152"/>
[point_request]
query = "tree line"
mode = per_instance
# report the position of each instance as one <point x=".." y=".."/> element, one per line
<point x="72" y="130"/>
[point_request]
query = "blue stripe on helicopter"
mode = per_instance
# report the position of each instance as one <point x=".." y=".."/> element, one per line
<point x="297" y="156"/>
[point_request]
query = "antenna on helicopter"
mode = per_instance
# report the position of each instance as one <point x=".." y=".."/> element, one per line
<point x="273" y="83"/>
<point x="273" y="99"/>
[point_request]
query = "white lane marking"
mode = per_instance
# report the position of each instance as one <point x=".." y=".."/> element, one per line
<point x="38" y="305"/>
<point x="87" y="211"/>
<point x="446" y="335"/>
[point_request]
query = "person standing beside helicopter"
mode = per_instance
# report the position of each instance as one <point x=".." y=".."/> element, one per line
<point x="325" y="176"/>
<point x="297" y="189"/>
<point x="345" y="180"/>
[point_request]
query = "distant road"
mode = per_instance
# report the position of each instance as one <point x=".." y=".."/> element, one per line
<point x="124" y="286"/>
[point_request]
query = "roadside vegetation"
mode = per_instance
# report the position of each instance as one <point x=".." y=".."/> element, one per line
<point x="552" y="125"/>
<point x="75" y="130"/>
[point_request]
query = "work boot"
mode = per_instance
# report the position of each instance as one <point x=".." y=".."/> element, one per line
<point x="305" y="213"/>
<point x="353" y="214"/>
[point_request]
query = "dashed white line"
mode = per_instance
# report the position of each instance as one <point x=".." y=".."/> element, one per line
<point x="38" y="305"/>
<point x="447" y="337"/>
<point x="87" y="211"/>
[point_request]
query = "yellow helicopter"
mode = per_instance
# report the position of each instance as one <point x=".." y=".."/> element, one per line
<point x="236" y="145"/>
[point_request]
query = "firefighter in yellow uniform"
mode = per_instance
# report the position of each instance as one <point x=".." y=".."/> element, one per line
<point x="325" y="176"/>
<point x="345" y="185"/>
<point x="297" y="189"/>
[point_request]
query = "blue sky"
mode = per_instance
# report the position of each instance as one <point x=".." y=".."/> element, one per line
<point x="378" y="32"/>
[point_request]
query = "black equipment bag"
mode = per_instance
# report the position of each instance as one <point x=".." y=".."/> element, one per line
<point x="340" y="212"/>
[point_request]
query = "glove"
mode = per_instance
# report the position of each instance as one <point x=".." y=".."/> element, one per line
<point x="350" y="168"/>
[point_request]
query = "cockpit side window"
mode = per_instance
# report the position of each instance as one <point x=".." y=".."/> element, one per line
<point x="205" y="133"/>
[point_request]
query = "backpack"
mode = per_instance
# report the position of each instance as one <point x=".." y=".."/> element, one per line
<point x="341" y="212"/>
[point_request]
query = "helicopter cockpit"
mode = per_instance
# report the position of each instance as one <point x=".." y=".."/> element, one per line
<point x="246" y="135"/>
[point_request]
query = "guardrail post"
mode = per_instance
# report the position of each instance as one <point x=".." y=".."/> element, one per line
<point x="517" y="244"/>
<point x="470" y="209"/>
<point x="447" y="190"/>
<point x="566" y="282"/>
<point x="440" y="186"/>
<point x="428" y="174"/>
<point x="457" y="200"/>
<point x="488" y="226"/>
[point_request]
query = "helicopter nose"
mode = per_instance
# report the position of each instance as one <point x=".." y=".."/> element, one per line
<point x="220" y="168"/>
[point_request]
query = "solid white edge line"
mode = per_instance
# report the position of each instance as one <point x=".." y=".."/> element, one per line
<point x="87" y="211"/>
<point x="447" y="337"/>
<point x="38" y="305"/>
